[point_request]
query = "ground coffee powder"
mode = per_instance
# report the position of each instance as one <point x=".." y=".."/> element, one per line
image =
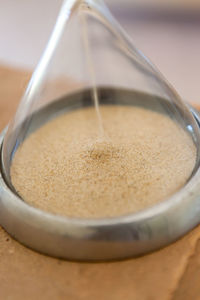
<point x="66" y="168"/>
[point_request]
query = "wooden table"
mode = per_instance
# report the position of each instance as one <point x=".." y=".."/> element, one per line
<point x="171" y="273"/>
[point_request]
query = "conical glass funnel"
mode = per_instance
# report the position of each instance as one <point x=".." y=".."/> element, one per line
<point x="89" y="50"/>
<point x="90" y="62"/>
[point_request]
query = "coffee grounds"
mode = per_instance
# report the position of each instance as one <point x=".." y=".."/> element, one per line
<point x="66" y="168"/>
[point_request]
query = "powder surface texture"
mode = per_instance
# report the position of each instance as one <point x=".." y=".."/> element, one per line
<point x="66" y="168"/>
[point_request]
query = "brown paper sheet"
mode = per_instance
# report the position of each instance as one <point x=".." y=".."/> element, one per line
<point x="171" y="273"/>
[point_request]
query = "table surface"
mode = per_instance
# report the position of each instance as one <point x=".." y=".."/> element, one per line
<point x="169" y="274"/>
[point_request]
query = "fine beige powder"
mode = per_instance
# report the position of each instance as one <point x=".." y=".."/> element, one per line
<point x="66" y="168"/>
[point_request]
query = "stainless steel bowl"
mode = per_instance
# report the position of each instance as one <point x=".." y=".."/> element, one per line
<point x="103" y="239"/>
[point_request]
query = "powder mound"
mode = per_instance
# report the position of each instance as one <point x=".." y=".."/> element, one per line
<point x="101" y="150"/>
<point x="65" y="168"/>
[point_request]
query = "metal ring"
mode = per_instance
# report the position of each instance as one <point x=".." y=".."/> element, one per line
<point x="103" y="239"/>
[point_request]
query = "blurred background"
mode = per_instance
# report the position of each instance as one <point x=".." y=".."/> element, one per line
<point x="167" y="31"/>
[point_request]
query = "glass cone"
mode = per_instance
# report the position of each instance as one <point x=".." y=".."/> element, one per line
<point x="90" y="61"/>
